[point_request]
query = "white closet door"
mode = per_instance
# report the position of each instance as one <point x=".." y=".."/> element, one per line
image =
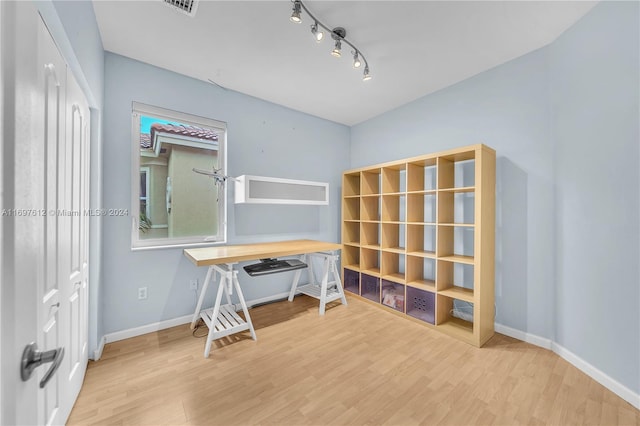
<point x="52" y="74"/>
<point x="76" y="233"/>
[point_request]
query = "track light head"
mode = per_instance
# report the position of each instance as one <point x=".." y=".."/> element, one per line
<point x="356" y="60"/>
<point x="319" y="35"/>
<point x="336" y="50"/>
<point x="295" y="15"/>
<point x="366" y="76"/>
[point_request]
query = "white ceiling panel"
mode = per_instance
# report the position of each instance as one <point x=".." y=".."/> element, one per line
<point x="413" y="47"/>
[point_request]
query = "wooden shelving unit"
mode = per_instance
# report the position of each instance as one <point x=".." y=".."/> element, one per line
<point x="418" y="239"/>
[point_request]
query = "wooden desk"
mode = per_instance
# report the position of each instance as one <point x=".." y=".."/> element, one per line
<point x="223" y="320"/>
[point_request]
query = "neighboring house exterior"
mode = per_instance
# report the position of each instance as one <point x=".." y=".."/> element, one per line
<point x="177" y="201"/>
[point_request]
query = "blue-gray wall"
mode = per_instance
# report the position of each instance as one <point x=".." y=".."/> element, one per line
<point x="564" y="123"/>
<point x="263" y="139"/>
<point x="595" y="81"/>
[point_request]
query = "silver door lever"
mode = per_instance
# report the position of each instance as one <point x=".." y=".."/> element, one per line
<point x="32" y="358"/>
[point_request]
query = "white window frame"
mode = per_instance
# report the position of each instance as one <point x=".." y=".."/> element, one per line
<point x="137" y="243"/>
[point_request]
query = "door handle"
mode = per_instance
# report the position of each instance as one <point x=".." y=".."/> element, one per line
<point x="32" y="358"/>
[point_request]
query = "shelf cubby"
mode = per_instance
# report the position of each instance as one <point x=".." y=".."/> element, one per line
<point x="455" y="280"/>
<point x="421" y="273"/>
<point x="456" y="206"/>
<point x="351" y="184"/>
<point x="351" y="209"/>
<point x="424" y="228"/>
<point x="393" y="267"/>
<point x="394" y="179"/>
<point x="351" y="281"/>
<point x="351" y="233"/>
<point x="394" y="208"/>
<point x="421" y="208"/>
<point x="392" y="295"/>
<point x="370" y="287"/>
<point x="455" y="243"/>
<point x="370" y="208"/>
<point x="421" y="175"/>
<point x="351" y="257"/>
<point x="456" y="170"/>
<point x="370" y="235"/>
<point x="455" y="316"/>
<point x="393" y="237"/>
<point x="370" y="261"/>
<point x="370" y="182"/>
<point x="421" y="304"/>
<point x="421" y="240"/>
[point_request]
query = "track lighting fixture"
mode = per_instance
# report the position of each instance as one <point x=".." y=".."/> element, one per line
<point x="338" y="34"/>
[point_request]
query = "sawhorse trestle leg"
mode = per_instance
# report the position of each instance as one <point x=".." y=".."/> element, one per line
<point x="327" y="291"/>
<point x="222" y="320"/>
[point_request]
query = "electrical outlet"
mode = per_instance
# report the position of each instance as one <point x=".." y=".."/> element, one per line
<point x="193" y="285"/>
<point x="142" y="293"/>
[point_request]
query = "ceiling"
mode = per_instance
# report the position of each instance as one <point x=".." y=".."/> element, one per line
<point x="413" y="47"/>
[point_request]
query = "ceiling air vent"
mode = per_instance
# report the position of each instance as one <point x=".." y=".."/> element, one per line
<point x="188" y="7"/>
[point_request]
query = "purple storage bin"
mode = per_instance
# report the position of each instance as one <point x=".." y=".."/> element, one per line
<point x="370" y="287"/>
<point x="352" y="281"/>
<point x="421" y="304"/>
<point x="393" y="295"/>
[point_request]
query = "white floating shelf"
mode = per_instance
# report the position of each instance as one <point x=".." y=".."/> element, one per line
<point x="268" y="190"/>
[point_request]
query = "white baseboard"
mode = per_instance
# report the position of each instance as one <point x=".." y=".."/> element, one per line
<point x="613" y="385"/>
<point x="524" y="336"/>
<point x="149" y="328"/>
<point x="98" y="352"/>
<point x="161" y="325"/>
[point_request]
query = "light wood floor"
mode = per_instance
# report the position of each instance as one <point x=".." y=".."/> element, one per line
<point x="356" y="365"/>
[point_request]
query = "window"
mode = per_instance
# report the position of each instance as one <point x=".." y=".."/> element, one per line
<point x="173" y="202"/>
